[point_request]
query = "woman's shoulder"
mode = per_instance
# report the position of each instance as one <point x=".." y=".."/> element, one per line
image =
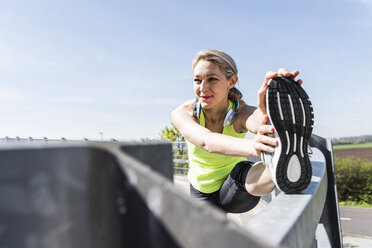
<point x="187" y="105"/>
<point x="243" y="113"/>
<point x="245" y="109"/>
<point x="183" y="109"/>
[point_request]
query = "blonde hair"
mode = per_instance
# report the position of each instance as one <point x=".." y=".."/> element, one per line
<point x="225" y="63"/>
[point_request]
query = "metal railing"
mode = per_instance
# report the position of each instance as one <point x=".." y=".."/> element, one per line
<point x="180" y="158"/>
<point x="114" y="194"/>
<point x="45" y="139"/>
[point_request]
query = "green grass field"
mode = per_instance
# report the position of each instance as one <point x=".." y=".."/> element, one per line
<point x="353" y="146"/>
<point x="355" y="204"/>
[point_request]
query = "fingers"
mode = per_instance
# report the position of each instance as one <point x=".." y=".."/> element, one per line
<point x="259" y="147"/>
<point x="284" y="72"/>
<point x="294" y="74"/>
<point x="262" y="135"/>
<point x="264" y="119"/>
<point x="264" y="139"/>
<point x="264" y="129"/>
<point x="263" y="142"/>
<point x="269" y="75"/>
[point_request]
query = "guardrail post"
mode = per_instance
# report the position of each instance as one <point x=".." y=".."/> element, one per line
<point x="331" y="215"/>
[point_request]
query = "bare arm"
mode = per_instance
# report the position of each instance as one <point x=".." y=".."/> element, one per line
<point x="255" y="120"/>
<point x="216" y="142"/>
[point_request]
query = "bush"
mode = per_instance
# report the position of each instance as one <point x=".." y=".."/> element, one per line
<point x="354" y="180"/>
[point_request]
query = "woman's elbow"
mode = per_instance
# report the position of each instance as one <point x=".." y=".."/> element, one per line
<point x="207" y="144"/>
<point x="207" y="148"/>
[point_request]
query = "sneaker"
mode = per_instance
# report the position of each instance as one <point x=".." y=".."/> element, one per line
<point x="290" y="112"/>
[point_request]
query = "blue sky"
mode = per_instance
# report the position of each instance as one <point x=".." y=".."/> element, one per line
<point x="76" y="68"/>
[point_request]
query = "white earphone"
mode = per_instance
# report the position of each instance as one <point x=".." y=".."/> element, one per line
<point x="229" y="117"/>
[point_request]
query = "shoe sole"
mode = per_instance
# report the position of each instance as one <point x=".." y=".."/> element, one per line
<point x="291" y="113"/>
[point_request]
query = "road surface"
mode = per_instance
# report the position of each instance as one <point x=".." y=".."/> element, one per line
<point x="355" y="220"/>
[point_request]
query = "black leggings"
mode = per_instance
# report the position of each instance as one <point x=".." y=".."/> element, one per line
<point x="232" y="197"/>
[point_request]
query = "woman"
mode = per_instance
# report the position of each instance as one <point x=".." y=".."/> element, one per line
<point x="214" y="126"/>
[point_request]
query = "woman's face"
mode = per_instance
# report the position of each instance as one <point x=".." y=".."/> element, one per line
<point x="210" y="84"/>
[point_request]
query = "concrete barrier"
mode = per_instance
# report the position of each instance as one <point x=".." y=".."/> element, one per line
<point x="111" y="194"/>
<point x="103" y="195"/>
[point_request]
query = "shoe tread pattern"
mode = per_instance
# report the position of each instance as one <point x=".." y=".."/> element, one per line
<point x="285" y="87"/>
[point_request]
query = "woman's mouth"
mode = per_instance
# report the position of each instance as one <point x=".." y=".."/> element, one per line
<point x="204" y="98"/>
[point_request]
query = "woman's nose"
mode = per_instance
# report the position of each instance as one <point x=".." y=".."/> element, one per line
<point x="203" y="85"/>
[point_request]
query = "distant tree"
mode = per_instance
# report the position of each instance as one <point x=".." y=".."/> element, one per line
<point x="171" y="133"/>
<point x="148" y="139"/>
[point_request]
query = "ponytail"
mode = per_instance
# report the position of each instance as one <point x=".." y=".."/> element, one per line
<point x="234" y="94"/>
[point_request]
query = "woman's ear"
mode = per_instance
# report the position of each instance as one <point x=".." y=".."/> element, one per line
<point x="233" y="81"/>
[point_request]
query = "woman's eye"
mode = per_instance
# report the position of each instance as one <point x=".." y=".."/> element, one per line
<point x="212" y="79"/>
<point x="198" y="81"/>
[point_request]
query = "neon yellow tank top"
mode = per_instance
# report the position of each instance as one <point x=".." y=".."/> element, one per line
<point x="208" y="171"/>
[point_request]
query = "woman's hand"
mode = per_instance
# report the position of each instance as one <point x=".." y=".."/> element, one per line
<point x="261" y="102"/>
<point x="263" y="142"/>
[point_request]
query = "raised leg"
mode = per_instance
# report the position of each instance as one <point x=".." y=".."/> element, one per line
<point x="258" y="181"/>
